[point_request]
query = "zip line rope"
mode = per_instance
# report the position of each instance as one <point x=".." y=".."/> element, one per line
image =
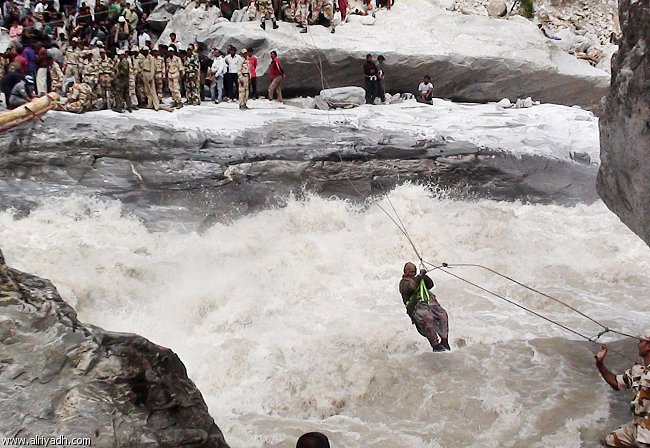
<point x="541" y="316"/>
<point x="402" y="228"/>
<point x="325" y="84"/>
<point x="555" y="299"/>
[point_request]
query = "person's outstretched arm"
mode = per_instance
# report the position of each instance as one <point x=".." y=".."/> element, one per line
<point x="608" y="376"/>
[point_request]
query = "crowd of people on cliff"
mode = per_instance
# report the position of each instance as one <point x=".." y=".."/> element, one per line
<point x="96" y="75"/>
<point x="102" y="56"/>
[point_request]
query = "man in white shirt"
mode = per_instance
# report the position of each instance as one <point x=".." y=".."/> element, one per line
<point x="233" y="61"/>
<point x="425" y="91"/>
<point x="217" y="70"/>
<point x="143" y="37"/>
<point x="40" y="7"/>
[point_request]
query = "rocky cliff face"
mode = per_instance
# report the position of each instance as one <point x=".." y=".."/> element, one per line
<point x="469" y="58"/>
<point x="625" y="125"/>
<point x="64" y="378"/>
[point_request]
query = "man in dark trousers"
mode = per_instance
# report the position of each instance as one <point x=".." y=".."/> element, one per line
<point x="372" y="82"/>
<point x="426" y="314"/>
<point x="381" y="76"/>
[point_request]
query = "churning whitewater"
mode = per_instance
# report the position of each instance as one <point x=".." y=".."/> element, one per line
<point x="289" y="320"/>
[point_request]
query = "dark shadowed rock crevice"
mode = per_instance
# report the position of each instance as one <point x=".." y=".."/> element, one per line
<point x="67" y="378"/>
<point x="625" y="124"/>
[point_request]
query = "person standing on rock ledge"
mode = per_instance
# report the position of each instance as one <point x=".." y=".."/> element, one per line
<point x="265" y="7"/>
<point x="382" y="77"/>
<point x="635" y="434"/>
<point x="372" y="82"/>
<point x="232" y="60"/>
<point x="243" y="76"/>
<point x="276" y="75"/>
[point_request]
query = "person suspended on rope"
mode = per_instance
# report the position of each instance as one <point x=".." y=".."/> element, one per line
<point x="637" y="432"/>
<point x="426" y="314"/>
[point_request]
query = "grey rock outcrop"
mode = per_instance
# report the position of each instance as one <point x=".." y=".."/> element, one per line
<point x="189" y="22"/>
<point x="497" y="8"/>
<point x="66" y="378"/>
<point x="163" y="13"/>
<point x="625" y="125"/>
<point x="343" y="97"/>
<point x="162" y="174"/>
<point x="474" y="58"/>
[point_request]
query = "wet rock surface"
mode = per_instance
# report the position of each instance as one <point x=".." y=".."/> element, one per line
<point x="625" y="125"/>
<point x="67" y="378"/>
<point x="163" y="174"/>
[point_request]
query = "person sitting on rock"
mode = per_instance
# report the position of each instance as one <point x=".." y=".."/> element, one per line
<point x="366" y="9"/>
<point x="80" y="98"/>
<point x="425" y="91"/>
<point x="313" y="440"/>
<point x="22" y="93"/>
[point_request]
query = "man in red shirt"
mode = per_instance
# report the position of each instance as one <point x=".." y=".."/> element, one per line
<point x="252" y="65"/>
<point x="276" y="75"/>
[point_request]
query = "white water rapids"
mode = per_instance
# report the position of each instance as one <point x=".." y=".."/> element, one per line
<point x="289" y="320"/>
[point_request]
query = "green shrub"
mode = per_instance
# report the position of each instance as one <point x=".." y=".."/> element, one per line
<point x="528" y="8"/>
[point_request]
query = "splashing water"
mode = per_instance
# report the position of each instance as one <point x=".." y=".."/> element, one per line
<point x="289" y="320"/>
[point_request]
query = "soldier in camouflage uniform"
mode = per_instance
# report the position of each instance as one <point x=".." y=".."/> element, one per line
<point x="71" y="61"/>
<point x="161" y="73"/>
<point x="635" y="434"/>
<point x="121" y="83"/>
<point x="266" y="7"/>
<point x="80" y="98"/>
<point x="175" y="71"/>
<point x="56" y="75"/>
<point x="302" y="11"/>
<point x="244" y="78"/>
<point x="90" y="74"/>
<point x="192" y="77"/>
<point x="133" y="76"/>
<point x="104" y="88"/>
<point x="139" y="82"/>
<point x="148" y="74"/>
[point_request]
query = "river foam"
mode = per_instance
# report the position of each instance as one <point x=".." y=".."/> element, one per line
<point x="289" y="320"/>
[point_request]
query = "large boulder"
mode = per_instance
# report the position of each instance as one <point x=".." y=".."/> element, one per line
<point x="68" y="379"/>
<point x="468" y="57"/>
<point x="625" y="125"/>
<point x="497" y="8"/>
<point x="163" y="13"/>
<point x="344" y="97"/>
<point x="191" y="21"/>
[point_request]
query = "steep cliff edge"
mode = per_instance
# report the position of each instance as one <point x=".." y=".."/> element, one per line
<point x="625" y="124"/>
